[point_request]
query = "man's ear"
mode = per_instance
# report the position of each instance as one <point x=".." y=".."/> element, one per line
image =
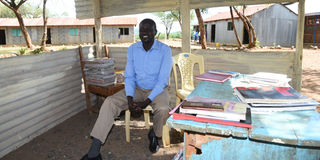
<point x="156" y="32"/>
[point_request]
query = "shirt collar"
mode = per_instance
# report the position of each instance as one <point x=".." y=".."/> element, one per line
<point x="155" y="45"/>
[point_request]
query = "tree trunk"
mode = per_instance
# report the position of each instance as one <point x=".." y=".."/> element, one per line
<point x="45" y="20"/>
<point x="202" y="31"/>
<point x="234" y="28"/>
<point x="252" y="30"/>
<point x="245" y="25"/>
<point x="23" y="29"/>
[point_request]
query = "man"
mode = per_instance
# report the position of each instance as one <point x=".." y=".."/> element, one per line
<point x="147" y="73"/>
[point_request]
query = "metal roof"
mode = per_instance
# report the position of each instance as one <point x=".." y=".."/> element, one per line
<point x="107" y="21"/>
<point x="85" y="9"/>
<point x="226" y="15"/>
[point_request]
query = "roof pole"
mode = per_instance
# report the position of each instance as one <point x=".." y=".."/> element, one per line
<point x="297" y="68"/>
<point x="185" y="14"/>
<point x="98" y="27"/>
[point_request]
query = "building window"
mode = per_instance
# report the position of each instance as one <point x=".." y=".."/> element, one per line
<point x="16" y="32"/>
<point x="123" y="31"/>
<point x="312" y="20"/>
<point x="74" y="31"/>
<point x="230" y="26"/>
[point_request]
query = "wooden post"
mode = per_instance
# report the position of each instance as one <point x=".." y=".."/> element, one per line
<point x="98" y="27"/>
<point x="185" y="14"/>
<point x="297" y="68"/>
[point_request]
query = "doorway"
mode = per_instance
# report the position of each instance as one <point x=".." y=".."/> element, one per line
<point x="94" y="34"/>
<point x="2" y="37"/>
<point x="213" y="33"/>
<point x="48" y="41"/>
<point x="245" y="36"/>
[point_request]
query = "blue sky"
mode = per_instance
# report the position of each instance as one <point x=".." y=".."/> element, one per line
<point x="68" y="6"/>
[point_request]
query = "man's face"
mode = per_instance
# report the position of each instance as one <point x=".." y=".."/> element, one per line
<point x="147" y="32"/>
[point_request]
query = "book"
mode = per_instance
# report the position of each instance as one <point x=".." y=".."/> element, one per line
<point x="298" y="104"/>
<point x="269" y="95"/>
<point x="280" y="109"/>
<point x="213" y="77"/>
<point x="219" y="71"/>
<point x="177" y="114"/>
<point x="242" y="123"/>
<point x="203" y="105"/>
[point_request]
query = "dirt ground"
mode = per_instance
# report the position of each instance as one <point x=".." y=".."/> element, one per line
<point x="70" y="139"/>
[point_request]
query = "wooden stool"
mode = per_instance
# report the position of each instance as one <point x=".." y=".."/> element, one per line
<point x="146" y="114"/>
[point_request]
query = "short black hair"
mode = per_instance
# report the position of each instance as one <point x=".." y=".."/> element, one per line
<point x="149" y="21"/>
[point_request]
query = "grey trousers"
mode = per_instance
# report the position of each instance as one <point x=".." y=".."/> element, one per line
<point x="118" y="102"/>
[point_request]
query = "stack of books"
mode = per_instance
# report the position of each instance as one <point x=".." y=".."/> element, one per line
<point x="217" y="75"/>
<point x="100" y="71"/>
<point x="274" y="99"/>
<point x="211" y="110"/>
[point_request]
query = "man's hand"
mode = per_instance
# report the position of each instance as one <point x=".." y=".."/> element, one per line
<point x="143" y="104"/>
<point x="132" y="105"/>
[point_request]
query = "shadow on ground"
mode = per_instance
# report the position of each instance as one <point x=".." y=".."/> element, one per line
<point x="70" y="140"/>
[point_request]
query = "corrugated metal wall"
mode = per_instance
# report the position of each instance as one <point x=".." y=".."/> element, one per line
<point x="275" y="26"/>
<point x="37" y="92"/>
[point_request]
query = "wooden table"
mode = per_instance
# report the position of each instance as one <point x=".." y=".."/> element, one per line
<point x="282" y="135"/>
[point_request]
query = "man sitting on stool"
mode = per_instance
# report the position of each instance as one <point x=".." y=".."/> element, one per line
<point x="147" y="73"/>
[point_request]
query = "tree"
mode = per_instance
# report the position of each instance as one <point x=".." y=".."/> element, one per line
<point x="15" y="8"/>
<point x="201" y="27"/>
<point x="45" y="20"/>
<point x="249" y="27"/>
<point x="234" y="28"/>
<point x="166" y="19"/>
<point x="177" y="16"/>
<point x="27" y="11"/>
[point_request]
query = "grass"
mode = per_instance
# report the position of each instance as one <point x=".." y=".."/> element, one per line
<point x="10" y="50"/>
<point x="22" y="50"/>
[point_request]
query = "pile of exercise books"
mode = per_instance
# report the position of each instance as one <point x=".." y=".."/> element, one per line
<point x="100" y="71"/>
<point x="266" y="99"/>
<point x="217" y="75"/>
<point x="211" y="110"/>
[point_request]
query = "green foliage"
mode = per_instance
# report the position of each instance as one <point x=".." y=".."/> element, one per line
<point x="27" y="11"/>
<point x="23" y="51"/>
<point x="37" y="51"/>
<point x="257" y="43"/>
<point x="175" y="35"/>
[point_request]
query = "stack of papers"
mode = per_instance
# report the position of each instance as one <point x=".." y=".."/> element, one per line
<point x="100" y="71"/>
<point x="274" y="99"/>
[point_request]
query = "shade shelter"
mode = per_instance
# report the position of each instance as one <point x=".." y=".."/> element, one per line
<point x="104" y="8"/>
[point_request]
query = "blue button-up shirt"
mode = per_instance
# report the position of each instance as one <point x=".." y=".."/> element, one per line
<point x="148" y="69"/>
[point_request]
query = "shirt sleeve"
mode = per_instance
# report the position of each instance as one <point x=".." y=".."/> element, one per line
<point x="130" y="79"/>
<point x="164" y="73"/>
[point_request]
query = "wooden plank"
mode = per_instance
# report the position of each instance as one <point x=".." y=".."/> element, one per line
<point x="98" y="27"/>
<point x="185" y="15"/>
<point x="244" y="149"/>
<point x="297" y="67"/>
<point x="273" y="128"/>
<point x="306" y="127"/>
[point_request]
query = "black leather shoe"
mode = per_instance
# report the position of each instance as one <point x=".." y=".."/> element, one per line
<point x="154" y="145"/>
<point x="85" y="157"/>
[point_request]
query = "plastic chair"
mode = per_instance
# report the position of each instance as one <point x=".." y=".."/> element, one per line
<point x="165" y="129"/>
<point x="185" y="63"/>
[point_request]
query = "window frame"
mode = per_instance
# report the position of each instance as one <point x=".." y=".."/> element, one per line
<point x="74" y="31"/>
<point x="229" y="26"/>
<point x="16" y="32"/>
